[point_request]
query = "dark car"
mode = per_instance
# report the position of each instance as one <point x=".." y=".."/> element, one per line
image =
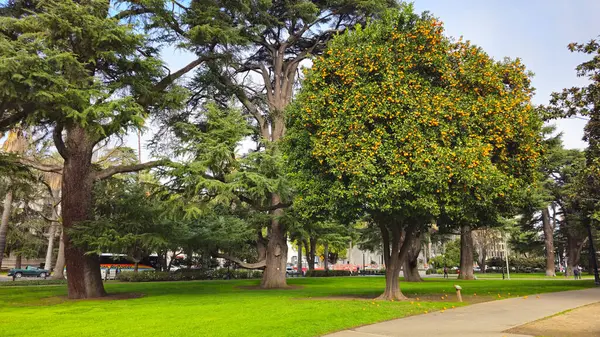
<point x="29" y="271"/>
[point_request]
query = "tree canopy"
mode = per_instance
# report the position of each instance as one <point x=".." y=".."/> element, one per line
<point x="412" y="126"/>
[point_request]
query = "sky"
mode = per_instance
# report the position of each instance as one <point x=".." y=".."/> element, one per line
<point x="537" y="31"/>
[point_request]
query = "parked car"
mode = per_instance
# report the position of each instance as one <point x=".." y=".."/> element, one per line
<point x="290" y="271"/>
<point x="29" y="271"/>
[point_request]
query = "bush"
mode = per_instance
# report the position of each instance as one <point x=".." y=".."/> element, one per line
<point x="188" y="275"/>
<point x="32" y="283"/>
<point x="372" y="272"/>
<point x="327" y="273"/>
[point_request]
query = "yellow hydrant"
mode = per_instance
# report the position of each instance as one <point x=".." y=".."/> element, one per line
<point x="458" y="289"/>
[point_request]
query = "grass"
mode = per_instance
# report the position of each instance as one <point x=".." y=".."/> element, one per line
<point x="225" y="308"/>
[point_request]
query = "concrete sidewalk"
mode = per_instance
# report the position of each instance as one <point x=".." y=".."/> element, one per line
<point x="487" y="319"/>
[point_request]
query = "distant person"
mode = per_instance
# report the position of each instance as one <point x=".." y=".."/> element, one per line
<point x="106" y="274"/>
<point x="445" y="272"/>
<point x="357" y="270"/>
<point x="576" y="272"/>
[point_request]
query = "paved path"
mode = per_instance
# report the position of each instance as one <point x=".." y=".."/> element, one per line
<point x="487" y="319"/>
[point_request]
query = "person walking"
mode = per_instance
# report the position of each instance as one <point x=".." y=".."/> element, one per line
<point x="445" y="272"/>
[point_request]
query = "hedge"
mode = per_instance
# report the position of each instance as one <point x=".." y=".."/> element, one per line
<point x="188" y="275"/>
<point x="327" y="273"/>
<point x="32" y="283"/>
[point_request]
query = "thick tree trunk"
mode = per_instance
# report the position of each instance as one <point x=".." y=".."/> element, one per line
<point x="300" y="257"/>
<point x="7" y="207"/>
<point x="411" y="262"/>
<point x="83" y="271"/>
<point x="574" y="246"/>
<point x="274" y="273"/>
<point x="466" y="253"/>
<point x="59" y="267"/>
<point x="548" y="242"/>
<point x="393" y="263"/>
<point x="50" y="249"/>
<point x="18" y="261"/>
<point x="310" y="247"/>
<point x="482" y="260"/>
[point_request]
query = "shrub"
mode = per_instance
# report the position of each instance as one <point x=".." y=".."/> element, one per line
<point x="327" y="273"/>
<point x="32" y="283"/>
<point x="188" y="275"/>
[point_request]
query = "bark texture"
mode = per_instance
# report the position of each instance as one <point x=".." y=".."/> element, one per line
<point x="466" y="253"/>
<point x="274" y="273"/>
<point x="50" y="249"/>
<point x="396" y="243"/>
<point x="548" y="242"/>
<point x="411" y="262"/>
<point x="310" y="246"/>
<point x="83" y="271"/>
<point x="59" y="267"/>
<point x="300" y="257"/>
<point x="574" y="246"/>
<point x="7" y="208"/>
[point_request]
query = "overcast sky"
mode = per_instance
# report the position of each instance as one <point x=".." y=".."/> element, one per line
<point x="537" y="31"/>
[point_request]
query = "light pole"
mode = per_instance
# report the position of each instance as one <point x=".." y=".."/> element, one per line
<point x="506" y="256"/>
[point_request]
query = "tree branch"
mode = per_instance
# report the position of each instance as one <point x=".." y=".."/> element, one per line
<point x="251" y="107"/>
<point x="111" y="171"/>
<point x="261" y="208"/>
<point x="58" y="140"/>
<point x="8" y="122"/>
<point x="257" y="265"/>
<point x="39" y="166"/>
<point x="165" y="82"/>
<point x="131" y="12"/>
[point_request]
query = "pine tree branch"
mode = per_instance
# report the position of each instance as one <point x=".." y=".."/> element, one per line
<point x="257" y="265"/>
<point x="165" y="82"/>
<point x="131" y="12"/>
<point x="39" y="166"/>
<point x="111" y="171"/>
<point x="262" y="208"/>
<point x="8" y="122"/>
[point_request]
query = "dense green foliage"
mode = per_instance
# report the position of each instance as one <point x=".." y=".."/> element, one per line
<point x="32" y="283"/>
<point x="327" y="273"/>
<point x="189" y="275"/>
<point x="450" y="257"/>
<point x="404" y="120"/>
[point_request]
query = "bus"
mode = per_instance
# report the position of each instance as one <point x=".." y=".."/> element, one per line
<point x="122" y="263"/>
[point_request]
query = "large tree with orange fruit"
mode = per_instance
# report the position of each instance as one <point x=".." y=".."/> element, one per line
<point x="412" y="127"/>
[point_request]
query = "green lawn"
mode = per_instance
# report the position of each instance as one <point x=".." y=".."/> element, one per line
<point x="222" y="308"/>
<point x="559" y="276"/>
